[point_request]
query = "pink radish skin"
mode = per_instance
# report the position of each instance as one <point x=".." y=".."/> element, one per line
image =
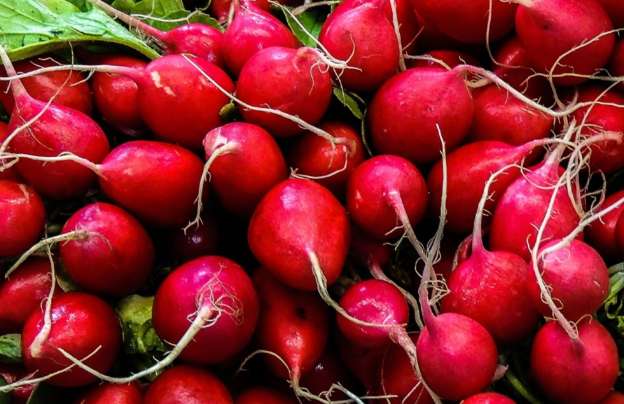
<point x="263" y="395"/>
<point x="115" y="258"/>
<point x="500" y="116"/>
<point x="314" y="156"/>
<point x="247" y="164"/>
<point x="362" y="36"/>
<point x="550" y="28"/>
<point x="574" y="371"/>
<point x="252" y="30"/>
<point x="405" y="110"/>
<point x="514" y="67"/>
<point x="375" y="190"/>
<point x="113" y="394"/>
<point x="488" y="398"/>
<point x="22" y="293"/>
<point x="322" y="229"/>
<point x="466" y="22"/>
<point x="615" y="10"/>
<point x="80" y="324"/>
<point x="22" y="219"/>
<point x="219" y="284"/>
<point x="450" y="57"/>
<point x="306" y="93"/>
<point x="577" y="277"/>
<point x="602" y="232"/>
<point x="186" y="384"/>
<point x="9" y="173"/>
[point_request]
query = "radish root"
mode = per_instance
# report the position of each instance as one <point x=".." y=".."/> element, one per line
<point x="36" y="346"/>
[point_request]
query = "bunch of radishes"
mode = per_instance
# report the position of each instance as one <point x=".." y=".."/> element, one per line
<point x="297" y="252"/>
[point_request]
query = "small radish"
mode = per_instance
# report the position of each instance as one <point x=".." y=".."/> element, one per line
<point x="117" y="96"/>
<point x="617" y="60"/>
<point x="467" y="22"/>
<point x="68" y="89"/>
<point x="310" y="254"/>
<point x="384" y="193"/>
<point x="306" y="93"/>
<point x="314" y="157"/>
<point x="325" y="375"/>
<point x="368" y="252"/>
<point x="499" y="116"/>
<point x="113" y="394"/>
<point x="565" y="37"/>
<point x="615" y="9"/>
<point x="362" y="36"/>
<point x="581" y="370"/>
<point x="263" y="395"/>
<point x="189" y="385"/>
<point x="23" y="292"/>
<point x="614" y="398"/>
<point x="252" y="30"/>
<point x="203" y="239"/>
<point x="602" y="233"/>
<point x="488" y="398"/>
<point x="216" y="290"/>
<point x="577" y="278"/>
<point x="406" y="110"/>
<point x="22" y="219"/>
<point x="364" y="363"/>
<point x="513" y="66"/>
<point x="195" y="39"/>
<point x="450" y="57"/>
<point x="222" y="9"/>
<point x="83" y="326"/>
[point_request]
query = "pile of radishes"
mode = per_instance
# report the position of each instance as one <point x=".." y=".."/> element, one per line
<point x="419" y="206"/>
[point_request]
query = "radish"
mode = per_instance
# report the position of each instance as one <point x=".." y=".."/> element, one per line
<point x="11" y="374"/>
<point x="310" y="254"/>
<point x="499" y="116"/>
<point x="22" y="219"/>
<point x="467" y="22"/>
<point x="263" y="395"/>
<point x="306" y="93"/>
<point x="567" y="39"/>
<point x="82" y="325"/>
<point x="22" y="293"/>
<point x="619" y="235"/>
<point x="68" y="89"/>
<point x="325" y="377"/>
<point x="203" y="239"/>
<point x="386" y="196"/>
<point x="7" y="169"/>
<point x="368" y="252"/>
<point x="488" y="398"/>
<point x="361" y="35"/>
<point x="364" y="363"/>
<point x="113" y="394"/>
<point x="581" y="370"/>
<point x="617" y="60"/>
<point x="252" y="30"/>
<point x="615" y="10"/>
<point x="614" y="398"/>
<point x="196" y="39"/>
<point x="405" y="111"/>
<point x="313" y="157"/>
<point x="602" y="233"/>
<point x="449" y="57"/>
<point x="220" y="295"/>
<point x="186" y="384"/>
<point x="222" y="9"/>
<point x="117" y="96"/>
<point x="513" y="66"/>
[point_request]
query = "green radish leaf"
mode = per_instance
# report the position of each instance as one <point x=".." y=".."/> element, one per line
<point x="164" y="14"/>
<point x="11" y="348"/>
<point x="31" y="27"/>
<point x="135" y="313"/>
<point x="352" y="101"/>
<point x="310" y="21"/>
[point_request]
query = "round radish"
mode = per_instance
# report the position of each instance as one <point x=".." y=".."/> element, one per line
<point x="252" y="30"/>
<point x="326" y="374"/>
<point x="263" y="395"/>
<point x="514" y="67"/>
<point x="113" y="394"/>
<point x="363" y="362"/>
<point x="367" y="251"/>
<point x="195" y="241"/>
<point x="571" y="371"/>
<point x="217" y="289"/>
<point x="186" y="384"/>
<point x="82" y="325"/>
<point x="116" y="256"/>
<point x="615" y="9"/>
<point x="617" y="60"/>
<point x="488" y="398"/>
<point x="450" y="57"/>
<point x="602" y="232"/>
<point x="306" y="93"/>
<point x="22" y="219"/>
<point x="619" y="236"/>
<point x="406" y="109"/>
<point x="320" y="232"/>
<point x="614" y="398"/>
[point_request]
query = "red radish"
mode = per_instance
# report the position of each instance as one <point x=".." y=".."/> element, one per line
<point x="22" y="293"/>
<point x="302" y="254"/>
<point x="306" y="93"/>
<point x="113" y="394"/>
<point x="252" y="30"/>
<point x="12" y="374"/>
<point x="221" y="9"/>
<point x="314" y="157"/>
<point x="292" y="324"/>
<point x="362" y="36"/>
<point x="577" y="277"/>
<point x="581" y="370"/>
<point x="488" y="398"/>
<point x="614" y="398"/>
<point x="602" y="233"/>
<point x="195" y="241"/>
<point x="195" y="39"/>
<point x="450" y="57"/>
<point x="83" y="326"/>
<point x="615" y="9"/>
<point x="68" y="89"/>
<point x="217" y="290"/>
<point x="385" y="192"/>
<point x="115" y="257"/>
<point x="7" y="171"/>
<point x="22" y="219"/>
<point x="513" y="66"/>
<point x="500" y="116"/>
<point x="186" y="384"/>
<point x="369" y="252"/>
<point x="406" y="109"/>
<point x="263" y="395"/>
<point x="617" y="60"/>
<point x="117" y="96"/>
<point x="552" y="32"/>
<point x="364" y="363"/>
<point x="619" y="235"/>
<point x="244" y="163"/>
<point x="325" y="375"/>
<point x="467" y="22"/>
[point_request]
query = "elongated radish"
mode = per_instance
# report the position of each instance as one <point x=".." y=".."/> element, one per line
<point x="22" y="219"/>
<point x="513" y="66"/>
<point x="189" y="385"/>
